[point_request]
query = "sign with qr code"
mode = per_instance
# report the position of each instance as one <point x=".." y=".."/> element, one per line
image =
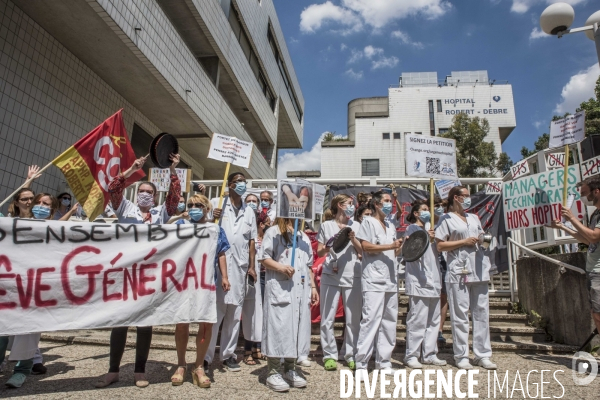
<point x="431" y="157"/>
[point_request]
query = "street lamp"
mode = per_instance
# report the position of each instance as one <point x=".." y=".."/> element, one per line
<point x="558" y="17"/>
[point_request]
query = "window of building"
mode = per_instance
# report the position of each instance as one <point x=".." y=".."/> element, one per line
<point x="439" y="106"/>
<point x="431" y="118"/>
<point x="418" y="133"/>
<point x="386" y="135"/>
<point x="443" y="130"/>
<point x="396" y="135"/>
<point x="370" y="167"/>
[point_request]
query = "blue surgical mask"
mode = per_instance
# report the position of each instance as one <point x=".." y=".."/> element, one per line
<point x="265" y="204"/>
<point x="181" y="207"/>
<point x="252" y="206"/>
<point x="349" y="211"/>
<point x="66" y="202"/>
<point x="425" y="216"/>
<point x="240" y="188"/>
<point x="40" y="212"/>
<point x="196" y="214"/>
<point x="439" y="211"/>
<point x="466" y="204"/>
<point x="387" y="208"/>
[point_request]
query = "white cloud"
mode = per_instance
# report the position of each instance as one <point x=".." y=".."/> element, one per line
<point x="371" y="51"/>
<point x="305" y="161"/>
<point x="405" y="38"/>
<point x="354" y="75"/>
<point x="537" y="33"/>
<point x="368" y="52"/>
<point x="522" y="6"/>
<point x="355" y="56"/>
<point x="385" y="62"/>
<point x="537" y="124"/>
<point x="343" y="47"/>
<point x="313" y="17"/>
<point x="579" y="88"/>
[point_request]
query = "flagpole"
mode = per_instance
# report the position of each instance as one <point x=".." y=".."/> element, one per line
<point x="565" y="178"/>
<point x="26" y="183"/>
<point x="431" y="204"/>
<point x="223" y="188"/>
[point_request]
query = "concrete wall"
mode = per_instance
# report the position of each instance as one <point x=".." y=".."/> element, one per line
<point x="561" y="299"/>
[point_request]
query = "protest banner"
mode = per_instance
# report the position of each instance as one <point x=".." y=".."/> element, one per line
<point x="536" y="200"/>
<point x="443" y="187"/>
<point x="520" y="169"/>
<point x="160" y="177"/>
<point x="568" y="130"/>
<point x="58" y="275"/>
<point x="493" y="187"/>
<point x="555" y="160"/>
<point x="430" y="157"/>
<point x="295" y="199"/>
<point x="319" y="191"/>
<point x="590" y="167"/>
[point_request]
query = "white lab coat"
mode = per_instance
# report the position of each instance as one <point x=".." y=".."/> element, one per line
<point x="423" y="277"/>
<point x="286" y="319"/>
<point x="130" y="213"/>
<point x="252" y="311"/>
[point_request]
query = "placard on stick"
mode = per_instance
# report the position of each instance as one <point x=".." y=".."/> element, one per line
<point x="568" y="130"/>
<point x="296" y="199"/>
<point x="520" y="169"/>
<point x="160" y="177"/>
<point x="430" y="157"/>
<point x="230" y="149"/>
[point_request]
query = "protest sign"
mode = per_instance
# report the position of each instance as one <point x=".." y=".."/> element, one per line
<point x="430" y="157"/>
<point x="443" y="187"/>
<point x="296" y="199"/>
<point x="493" y="187"/>
<point x="555" y="160"/>
<point x="230" y="149"/>
<point x="570" y="129"/>
<point x="66" y="275"/>
<point x="520" y="169"/>
<point x="590" y="167"/>
<point x="319" y="191"/>
<point x="536" y="200"/>
<point x="161" y="177"/>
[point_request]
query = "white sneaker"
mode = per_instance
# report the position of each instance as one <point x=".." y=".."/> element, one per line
<point x="464" y="364"/>
<point x="413" y="363"/>
<point x="277" y="384"/>
<point x="434" y="361"/>
<point x="294" y="380"/>
<point x="387" y="370"/>
<point x="486" y="363"/>
<point x="304" y="363"/>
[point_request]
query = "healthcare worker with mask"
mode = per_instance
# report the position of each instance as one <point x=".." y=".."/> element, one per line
<point x="458" y="234"/>
<point x="341" y="276"/>
<point x="289" y="292"/>
<point x="239" y="223"/>
<point x="379" y="285"/>
<point x="423" y="286"/>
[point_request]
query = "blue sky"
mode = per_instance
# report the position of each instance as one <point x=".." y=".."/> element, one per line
<point x="344" y="49"/>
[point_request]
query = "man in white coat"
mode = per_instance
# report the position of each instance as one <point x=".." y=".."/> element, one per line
<point x="239" y="223"/>
<point x="379" y="285"/>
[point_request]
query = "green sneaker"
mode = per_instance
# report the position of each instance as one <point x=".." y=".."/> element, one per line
<point x="16" y="381"/>
<point x="352" y="365"/>
<point x="330" y="365"/>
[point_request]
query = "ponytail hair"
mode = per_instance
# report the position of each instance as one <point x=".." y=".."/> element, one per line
<point x="455" y="191"/>
<point x="416" y="205"/>
<point x="340" y="198"/>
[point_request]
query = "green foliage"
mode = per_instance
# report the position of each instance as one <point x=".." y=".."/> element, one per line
<point x="592" y="112"/>
<point x="332" y="137"/>
<point x="475" y="157"/>
<point x="540" y="144"/>
<point x="537" y="321"/>
<point x="517" y="308"/>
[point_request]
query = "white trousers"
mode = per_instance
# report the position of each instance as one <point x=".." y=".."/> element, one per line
<point x="379" y="320"/>
<point x="230" y="315"/>
<point x="352" y="300"/>
<point x="252" y="315"/>
<point x="422" y="327"/>
<point x="461" y="298"/>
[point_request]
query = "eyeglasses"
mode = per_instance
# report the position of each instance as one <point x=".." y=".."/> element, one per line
<point x="196" y="205"/>
<point x="25" y="199"/>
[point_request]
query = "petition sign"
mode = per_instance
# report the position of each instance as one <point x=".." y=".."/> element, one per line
<point x="430" y="157"/>
<point x="230" y="149"/>
<point x="536" y="200"/>
<point x="570" y="129"/>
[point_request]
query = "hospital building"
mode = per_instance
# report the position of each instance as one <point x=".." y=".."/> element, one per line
<point x="420" y="104"/>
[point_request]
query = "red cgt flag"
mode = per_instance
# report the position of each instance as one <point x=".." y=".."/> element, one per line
<point x="95" y="160"/>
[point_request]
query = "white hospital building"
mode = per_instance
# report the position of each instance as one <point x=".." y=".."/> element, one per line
<point x="420" y="104"/>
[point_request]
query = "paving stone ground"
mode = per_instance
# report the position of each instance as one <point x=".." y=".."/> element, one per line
<point x="73" y="369"/>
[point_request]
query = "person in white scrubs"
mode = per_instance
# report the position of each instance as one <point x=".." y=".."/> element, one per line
<point x="239" y="223"/>
<point x="458" y="234"/>
<point x="341" y="277"/>
<point x="266" y="205"/>
<point x="289" y="292"/>
<point x="423" y="287"/>
<point x="379" y="285"/>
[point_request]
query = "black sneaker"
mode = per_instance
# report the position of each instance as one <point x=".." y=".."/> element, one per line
<point x="441" y="339"/>
<point x="232" y="365"/>
<point x="205" y="367"/>
<point x="39" y="369"/>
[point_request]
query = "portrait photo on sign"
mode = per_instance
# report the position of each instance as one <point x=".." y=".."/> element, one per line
<point x="296" y="200"/>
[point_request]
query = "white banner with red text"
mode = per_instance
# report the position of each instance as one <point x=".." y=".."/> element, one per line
<point x="66" y="275"/>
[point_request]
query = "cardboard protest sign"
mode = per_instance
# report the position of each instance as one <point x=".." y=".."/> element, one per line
<point x="570" y="129"/>
<point x="493" y="187"/>
<point x="443" y="187"/>
<point x="295" y="199"/>
<point x="230" y="149"/>
<point x="555" y="160"/>
<point x="520" y="169"/>
<point x="161" y="177"/>
<point x="590" y="167"/>
<point x="67" y="275"/>
<point x="431" y="157"/>
<point x="319" y="191"/>
<point x="536" y="200"/>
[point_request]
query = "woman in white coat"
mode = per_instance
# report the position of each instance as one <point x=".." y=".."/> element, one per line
<point x="458" y="234"/>
<point x="341" y="276"/>
<point x="423" y="286"/>
<point x="288" y="294"/>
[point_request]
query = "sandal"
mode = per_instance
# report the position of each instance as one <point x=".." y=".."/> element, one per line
<point x="257" y="355"/>
<point x="201" y="381"/>
<point x="177" y="378"/>
<point x="248" y="359"/>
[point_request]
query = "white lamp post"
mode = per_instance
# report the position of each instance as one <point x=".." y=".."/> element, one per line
<point x="558" y="17"/>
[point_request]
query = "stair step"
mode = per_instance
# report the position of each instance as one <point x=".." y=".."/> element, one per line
<point x="496" y="307"/>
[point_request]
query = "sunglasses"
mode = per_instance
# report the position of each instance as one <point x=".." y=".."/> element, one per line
<point x="196" y="205"/>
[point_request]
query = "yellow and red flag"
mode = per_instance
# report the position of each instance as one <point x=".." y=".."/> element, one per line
<point x="95" y="160"/>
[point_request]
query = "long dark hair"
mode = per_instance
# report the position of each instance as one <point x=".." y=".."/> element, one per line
<point x="455" y="191"/>
<point x="13" y="208"/>
<point x="416" y="205"/>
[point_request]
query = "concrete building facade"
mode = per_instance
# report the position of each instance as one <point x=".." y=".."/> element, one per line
<point x="420" y="104"/>
<point x="187" y="67"/>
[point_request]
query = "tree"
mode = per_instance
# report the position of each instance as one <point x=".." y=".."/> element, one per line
<point x="475" y="157"/>
<point x="592" y="112"/>
<point x="540" y="144"/>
